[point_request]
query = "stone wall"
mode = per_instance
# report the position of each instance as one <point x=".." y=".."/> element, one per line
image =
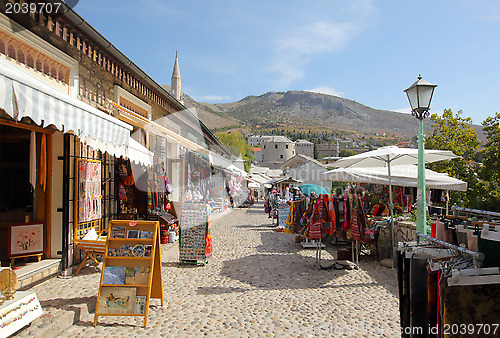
<point x="404" y="232"/>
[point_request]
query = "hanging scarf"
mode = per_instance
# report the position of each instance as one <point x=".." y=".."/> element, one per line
<point x="346" y="224"/>
<point x="32" y="168"/>
<point x="315" y="223"/>
<point x="290" y="219"/>
<point x="356" y="234"/>
<point x="328" y="200"/>
<point x="43" y="162"/>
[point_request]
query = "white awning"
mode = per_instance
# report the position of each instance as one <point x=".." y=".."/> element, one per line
<point x="219" y="161"/>
<point x="158" y="129"/>
<point x="22" y="94"/>
<point x="134" y="151"/>
<point x="139" y="154"/>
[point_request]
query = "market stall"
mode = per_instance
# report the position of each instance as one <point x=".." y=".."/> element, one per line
<point x="401" y="176"/>
<point x="452" y="278"/>
<point x="388" y="157"/>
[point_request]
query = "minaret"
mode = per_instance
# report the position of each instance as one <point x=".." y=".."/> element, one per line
<point x="175" y="80"/>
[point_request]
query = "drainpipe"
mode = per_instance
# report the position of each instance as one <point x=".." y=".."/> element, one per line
<point x="65" y="206"/>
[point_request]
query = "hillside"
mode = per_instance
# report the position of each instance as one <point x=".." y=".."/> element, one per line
<point x="302" y="111"/>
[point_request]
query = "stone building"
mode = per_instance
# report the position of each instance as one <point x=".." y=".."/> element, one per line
<point x="86" y="101"/>
<point x="276" y="150"/>
<point x="304" y="147"/>
<point x="254" y="140"/>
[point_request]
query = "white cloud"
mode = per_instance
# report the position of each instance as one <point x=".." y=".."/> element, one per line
<point x="326" y="90"/>
<point x="212" y="98"/>
<point x="299" y="45"/>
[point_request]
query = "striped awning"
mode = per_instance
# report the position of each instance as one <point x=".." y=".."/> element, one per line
<point x="22" y="94"/>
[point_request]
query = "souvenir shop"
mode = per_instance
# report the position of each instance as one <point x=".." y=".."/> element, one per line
<point x="449" y="282"/>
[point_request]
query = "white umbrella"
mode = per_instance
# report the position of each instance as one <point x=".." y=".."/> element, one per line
<point x="401" y="175"/>
<point x="392" y="155"/>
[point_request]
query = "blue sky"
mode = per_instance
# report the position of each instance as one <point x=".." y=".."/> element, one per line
<point x="368" y="51"/>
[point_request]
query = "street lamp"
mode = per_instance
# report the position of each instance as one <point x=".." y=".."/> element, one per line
<point x="420" y="96"/>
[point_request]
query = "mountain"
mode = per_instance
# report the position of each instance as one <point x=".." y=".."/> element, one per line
<point x="303" y="111"/>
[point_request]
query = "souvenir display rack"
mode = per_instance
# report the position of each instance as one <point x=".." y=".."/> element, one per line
<point x="193" y="231"/>
<point x="131" y="270"/>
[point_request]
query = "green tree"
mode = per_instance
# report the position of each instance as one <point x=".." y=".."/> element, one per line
<point x="490" y="171"/>
<point x="237" y="145"/>
<point x="346" y="153"/>
<point x="456" y="133"/>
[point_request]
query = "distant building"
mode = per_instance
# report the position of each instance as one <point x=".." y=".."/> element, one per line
<point x="276" y="150"/>
<point x="298" y="159"/>
<point x="258" y="139"/>
<point x="258" y="154"/>
<point x="332" y="150"/>
<point x="328" y="160"/>
<point x="307" y="170"/>
<point x="304" y="147"/>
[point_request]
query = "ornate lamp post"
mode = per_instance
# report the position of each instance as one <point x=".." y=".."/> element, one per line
<point x="420" y="96"/>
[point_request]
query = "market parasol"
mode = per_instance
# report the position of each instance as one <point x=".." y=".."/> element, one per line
<point x="392" y="155"/>
<point x="401" y="175"/>
<point x="307" y="189"/>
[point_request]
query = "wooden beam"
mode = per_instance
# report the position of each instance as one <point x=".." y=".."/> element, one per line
<point x="26" y="126"/>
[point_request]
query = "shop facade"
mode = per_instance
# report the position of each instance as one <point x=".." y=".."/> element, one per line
<point x="66" y="55"/>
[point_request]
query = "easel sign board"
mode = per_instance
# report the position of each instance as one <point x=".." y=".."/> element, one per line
<point x="131" y="270"/>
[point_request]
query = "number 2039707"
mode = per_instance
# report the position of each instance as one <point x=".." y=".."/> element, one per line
<point x="33" y="7"/>
<point x="470" y="329"/>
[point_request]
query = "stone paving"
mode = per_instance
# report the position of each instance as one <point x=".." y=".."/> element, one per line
<point x="259" y="282"/>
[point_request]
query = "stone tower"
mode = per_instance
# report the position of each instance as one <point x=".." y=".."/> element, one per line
<point x="175" y="80"/>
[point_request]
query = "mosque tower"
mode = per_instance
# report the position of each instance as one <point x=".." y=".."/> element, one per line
<point x="175" y="80"/>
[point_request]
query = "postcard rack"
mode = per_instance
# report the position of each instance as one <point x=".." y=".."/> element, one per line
<point x="131" y="271"/>
<point x="194" y="233"/>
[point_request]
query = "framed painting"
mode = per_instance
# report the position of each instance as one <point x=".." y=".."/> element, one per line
<point x="117" y="300"/>
<point x="26" y="239"/>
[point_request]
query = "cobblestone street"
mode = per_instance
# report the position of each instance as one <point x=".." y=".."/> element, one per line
<point x="259" y="282"/>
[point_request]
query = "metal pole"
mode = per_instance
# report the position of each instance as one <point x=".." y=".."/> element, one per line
<point x="391" y="204"/>
<point x="65" y="201"/>
<point x="421" y="207"/>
